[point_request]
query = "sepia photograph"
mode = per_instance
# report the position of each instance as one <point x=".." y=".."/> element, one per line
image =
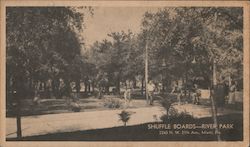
<point x="122" y="73"/>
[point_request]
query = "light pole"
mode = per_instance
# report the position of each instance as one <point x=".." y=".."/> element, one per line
<point x="146" y="71"/>
<point x="212" y="98"/>
<point x="212" y="94"/>
<point x="164" y="75"/>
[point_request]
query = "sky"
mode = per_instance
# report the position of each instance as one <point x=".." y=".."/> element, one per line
<point x="112" y="19"/>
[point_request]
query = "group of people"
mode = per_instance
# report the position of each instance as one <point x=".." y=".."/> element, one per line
<point x="177" y="89"/>
<point x="223" y="93"/>
<point x="180" y="93"/>
<point x="151" y="89"/>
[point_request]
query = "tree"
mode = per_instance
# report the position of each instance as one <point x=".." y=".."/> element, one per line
<point x="40" y="45"/>
<point x="124" y="117"/>
<point x="118" y="58"/>
<point x="180" y="35"/>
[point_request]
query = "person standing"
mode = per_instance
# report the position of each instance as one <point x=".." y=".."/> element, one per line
<point x="151" y="89"/>
<point x="232" y="90"/>
<point x="226" y="90"/>
<point x="127" y="96"/>
<point x="176" y="89"/>
<point x="196" y="95"/>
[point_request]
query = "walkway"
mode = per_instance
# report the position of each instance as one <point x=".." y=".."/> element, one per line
<point x="69" y="122"/>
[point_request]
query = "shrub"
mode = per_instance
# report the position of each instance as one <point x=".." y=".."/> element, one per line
<point x="75" y="107"/>
<point x="171" y="112"/>
<point x="174" y="116"/>
<point x="166" y="104"/>
<point x="124" y="116"/>
<point x="113" y="103"/>
<point x="183" y="117"/>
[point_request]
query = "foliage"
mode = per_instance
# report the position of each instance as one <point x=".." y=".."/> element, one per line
<point x="175" y="37"/>
<point x="119" y="59"/>
<point x="175" y="116"/>
<point x="166" y="104"/>
<point x="43" y="43"/>
<point x="124" y="116"/>
<point x="112" y="103"/>
<point x="180" y="35"/>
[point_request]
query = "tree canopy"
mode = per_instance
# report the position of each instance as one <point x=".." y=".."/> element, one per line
<point x="46" y="42"/>
<point x="43" y="43"/>
<point x="180" y="35"/>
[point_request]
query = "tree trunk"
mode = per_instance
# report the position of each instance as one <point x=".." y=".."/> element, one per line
<point x="19" y="128"/>
<point x="47" y="89"/>
<point x="186" y="81"/>
<point x="18" y="119"/>
<point x="19" y="84"/>
<point x="78" y="87"/>
<point x="126" y="86"/>
<point x="167" y="85"/>
<point x="168" y="114"/>
<point x="142" y="86"/>
<point x="43" y="89"/>
<point x="118" y="85"/>
<point x="93" y="86"/>
<point x="134" y="83"/>
<point x="55" y="87"/>
<point x="107" y="88"/>
<point x="163" y="87"/>
<point x="67" y="88"/>
<point x="88" y="86"/>
<point x="85" y="86"/>
<point x="31" y="90"/>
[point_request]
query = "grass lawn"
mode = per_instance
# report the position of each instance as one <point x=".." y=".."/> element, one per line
<point x="142" y="133"/>
<point x="91" y="103"/>
<point x="55" y="106"/>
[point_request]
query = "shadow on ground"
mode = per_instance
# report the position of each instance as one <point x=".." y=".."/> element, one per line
<point x="142" y="133"/>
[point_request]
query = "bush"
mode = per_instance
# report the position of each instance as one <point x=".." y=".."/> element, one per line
<point x="174" y="116"/>
<point x="166" y="104"/>
<point x="96" y="93"/>
<point x="113" y="103"/>
<point x="124" y="116"/>
<point x="183" y="117"/>
<point x="75" y="107"/>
